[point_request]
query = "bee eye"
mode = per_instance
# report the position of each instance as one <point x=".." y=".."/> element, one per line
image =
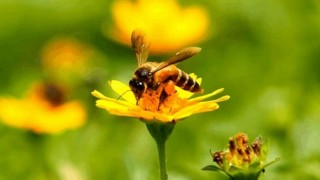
<point x="142" y="73"/>
<point x="136" y="85"/>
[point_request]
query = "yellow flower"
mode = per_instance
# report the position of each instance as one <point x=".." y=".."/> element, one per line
<point x="175" y="107"/>
<point x="168" y="26"/>
<point x="42" y="111"/>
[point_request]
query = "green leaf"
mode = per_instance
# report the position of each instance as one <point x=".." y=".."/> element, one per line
<point x="212" y="168"/>
<point x="275" y="160"/>
<point x="233" y="169"/>
<point x="255" y="165"/>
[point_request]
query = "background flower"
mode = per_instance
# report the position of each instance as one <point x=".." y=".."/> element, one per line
<point x="241" y="159"/>
<point x="65" y="54"/>
<point x="67" y="60"/>
<point x="169" y="26"/>
<point x="42" y="111"/>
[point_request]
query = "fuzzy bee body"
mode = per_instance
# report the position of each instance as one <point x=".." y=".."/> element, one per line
<point x="150" y="75"/>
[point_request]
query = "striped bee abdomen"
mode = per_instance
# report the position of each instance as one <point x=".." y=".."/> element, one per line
<point x="184" y="81"/>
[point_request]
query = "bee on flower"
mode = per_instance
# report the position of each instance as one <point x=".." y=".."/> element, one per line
<point x="158" y="79"/>
<point x="158" y="91"/>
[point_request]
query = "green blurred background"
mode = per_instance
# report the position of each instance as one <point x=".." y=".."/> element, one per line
<point x="266" y="54"/>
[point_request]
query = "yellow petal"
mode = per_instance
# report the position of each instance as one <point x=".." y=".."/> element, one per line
<point x="223" y="98"/>
<point x="107" y="99"/>
<point x="145" y="115"/>
<point x="37" y="116"/>
<point x="70" y="115"/>
<point x="196" y="108"/>
<point x="123" y="90"/>
<point x="13" y="111"/>
<point x="113" y="104"/>
<point x="183" y="94"/>
<point x="200" y="98"/>
<point x="163" y="117"/>
<point x="116" y="108"/>
<point x="98" y="94"/>
<point x="193" y="75"/>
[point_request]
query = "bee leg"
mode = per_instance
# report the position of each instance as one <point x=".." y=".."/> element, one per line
<point x="165" y="90"/>
<point x="169" y="88"/>
<point x="156" y="86"/>
<point x="162" y="97"/>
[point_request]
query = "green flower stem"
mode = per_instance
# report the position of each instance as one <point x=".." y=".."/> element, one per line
<point x="162" y="160"/>
<point x="160" y="133"/>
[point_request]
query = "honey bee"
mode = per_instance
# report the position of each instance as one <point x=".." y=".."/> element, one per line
<point x="153" y="75"/>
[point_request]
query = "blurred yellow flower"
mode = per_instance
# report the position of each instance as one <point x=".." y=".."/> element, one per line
<point x="66" y="59"/>
<point x="42" y="111"/>
<point x="168" y="26"/>
<point x="173" y="108"/>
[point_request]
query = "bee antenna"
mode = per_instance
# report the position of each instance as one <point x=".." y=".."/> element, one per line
<point x="123" y="94"/>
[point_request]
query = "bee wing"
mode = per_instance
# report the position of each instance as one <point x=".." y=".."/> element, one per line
<point x="140" y="46"/>
<point x="178" y="57"/>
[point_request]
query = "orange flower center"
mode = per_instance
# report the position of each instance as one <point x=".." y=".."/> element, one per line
<point x="164" y="100"/>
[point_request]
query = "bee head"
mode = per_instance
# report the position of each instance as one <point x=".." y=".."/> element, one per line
<point x="138" y="87"/>
<point x="143" y="74"/>
<point x="141" y="81"/>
